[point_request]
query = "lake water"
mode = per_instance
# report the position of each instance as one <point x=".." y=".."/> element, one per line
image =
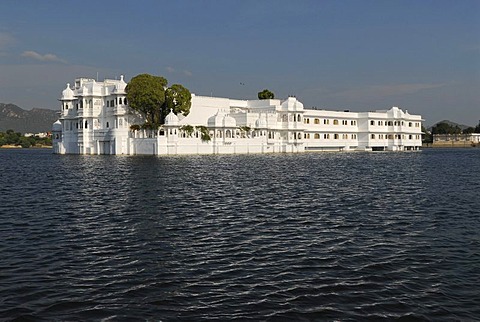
<point x="315" y="236"/>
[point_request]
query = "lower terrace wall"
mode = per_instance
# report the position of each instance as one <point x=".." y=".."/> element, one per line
<point x="184" y="146"/>
<point x="453" y="144"/>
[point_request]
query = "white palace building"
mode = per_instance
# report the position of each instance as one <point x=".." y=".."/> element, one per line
<point x="95" y="119"/>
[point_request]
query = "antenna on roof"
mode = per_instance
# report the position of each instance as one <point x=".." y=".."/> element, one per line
<point x="97" y="76"/>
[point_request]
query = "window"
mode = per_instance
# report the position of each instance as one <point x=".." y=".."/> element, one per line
<point x="336" y="136"/>
<point x="326" y="136"/>
<point x="316" y="136"/>
<point x="372" y="122"/>
<point x="107" y="125"/>
<point x="306" y="120"/>
<point x="108" y="103"/>
<point x="335" y="122"/>
<point x="316" y="121"/>
<point x="373" y="136"/>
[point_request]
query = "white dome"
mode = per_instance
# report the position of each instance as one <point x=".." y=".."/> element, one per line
<point x="215" y="120"/>
<point x="171" y="118"/>
<point x="261" y="123"/>
<point x="67" y="93"/>
<point x="229" y="121"/>
<point x="57" y="126"/>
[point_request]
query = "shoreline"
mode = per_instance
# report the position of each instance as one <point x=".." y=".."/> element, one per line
<point x="19" y="147"/>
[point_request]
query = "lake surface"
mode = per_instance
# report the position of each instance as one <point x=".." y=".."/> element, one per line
<point x="315" y="236"/>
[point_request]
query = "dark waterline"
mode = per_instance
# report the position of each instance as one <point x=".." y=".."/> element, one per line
<point x="315" y="236"/>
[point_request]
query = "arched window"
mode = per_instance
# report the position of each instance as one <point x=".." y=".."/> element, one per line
<point x="335" y="122"/>
<point x="316" y="121"/>
<point x="86" y="124"/>
<point x="373" y="136"/>
<point x="336" y="136"/>
<point x="228" y="134"/>
<point x="316" y="136"/>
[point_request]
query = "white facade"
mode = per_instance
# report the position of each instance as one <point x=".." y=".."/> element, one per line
<point x="95" y="119"/>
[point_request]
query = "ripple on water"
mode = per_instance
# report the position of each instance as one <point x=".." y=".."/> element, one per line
<point x="250" y="237"/>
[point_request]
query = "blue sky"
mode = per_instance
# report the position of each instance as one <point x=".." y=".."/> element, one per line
<point x="423" y="56"/>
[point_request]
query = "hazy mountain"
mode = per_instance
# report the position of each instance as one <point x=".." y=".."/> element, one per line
<point x="23" y="121"/>
<point x="461" y="126"/>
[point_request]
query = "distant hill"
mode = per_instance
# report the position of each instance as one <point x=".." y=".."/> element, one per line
<point x="461" y="126"/>
<point x="23" y="121"/>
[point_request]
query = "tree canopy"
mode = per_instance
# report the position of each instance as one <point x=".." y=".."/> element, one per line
<point x="265" y="95"/>
<point x="15" y="138"/>
<point x="150" y="96"/>
<point x="178" y="99"/>
<point x="445" y="128"/>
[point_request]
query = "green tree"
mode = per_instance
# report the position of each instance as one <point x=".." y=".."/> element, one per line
<point x="265" y="95"/>
<point x="150" y="96"/>
<point x="12" y="137"/>
<point x="25" y="142"/>
<point x="178" y="99"/>
<point x="204" y="134"/>
<point x="477" y="128"/>
<point x="427" y="135"/>
<point x="445" y="128"/>
<point x="146" y="94"/>
<point x="187" y="129"/>
<point x="468" y="130"/>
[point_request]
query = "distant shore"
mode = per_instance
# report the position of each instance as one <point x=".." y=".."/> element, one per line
<point x="10" y="146"/>
<point x="455" y="145"/>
